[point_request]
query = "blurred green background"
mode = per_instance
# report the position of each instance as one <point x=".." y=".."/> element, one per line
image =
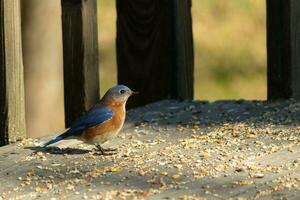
<point x="229" y="44"/>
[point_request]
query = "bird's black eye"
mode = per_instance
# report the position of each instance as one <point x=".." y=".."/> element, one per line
<point x="122" y="91"/>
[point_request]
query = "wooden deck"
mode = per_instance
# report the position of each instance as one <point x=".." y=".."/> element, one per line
<point x="169" y="149"/>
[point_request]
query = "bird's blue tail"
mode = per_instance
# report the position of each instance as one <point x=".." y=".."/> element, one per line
<point x="68" y="133"/>
<point x="58" y="138"/>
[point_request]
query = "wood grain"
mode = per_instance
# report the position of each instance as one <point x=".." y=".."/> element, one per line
<point x="12" y="110"/>
<point x="80" y="49"/>
<point x="154" y="49"/>
<point x="283" y="49"/>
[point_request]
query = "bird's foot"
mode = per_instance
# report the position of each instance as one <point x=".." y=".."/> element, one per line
<point x="110" y="149"/>
<point x="103" y="151"/>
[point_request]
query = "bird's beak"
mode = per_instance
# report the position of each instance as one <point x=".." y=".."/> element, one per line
<point x="133" y="93"/>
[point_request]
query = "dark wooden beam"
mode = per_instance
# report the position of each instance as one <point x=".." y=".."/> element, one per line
<point x="12" y="110"/>
<point x="80" y="49"/>
<point x="155" y="49"/>
<point x="283" y="48"/>
<point x="184" y="51"/>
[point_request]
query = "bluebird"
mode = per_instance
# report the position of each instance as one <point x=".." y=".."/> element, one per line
<point x="102" y="122"/>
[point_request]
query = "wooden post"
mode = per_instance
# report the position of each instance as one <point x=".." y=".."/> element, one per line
<point x="283" y="48"/>
<point x="80" y="49"/>
<point x="184" y="51"/>
<point x="155" y="49"/>
<point x="12" y="115"/>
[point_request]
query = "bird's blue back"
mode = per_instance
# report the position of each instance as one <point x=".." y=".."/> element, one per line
<point x="95" y="116"/>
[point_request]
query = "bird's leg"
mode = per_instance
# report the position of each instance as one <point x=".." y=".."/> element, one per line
<point x="99" y="148"/>
<point x="104" y="151"/>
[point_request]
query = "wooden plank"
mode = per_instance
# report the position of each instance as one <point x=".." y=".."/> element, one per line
<point x="148" y="55"/>
<point x="80" y="49"/>
<point x="179" y="150"/>
<point x="12" y="114"/>
<point x="283" y="37"/>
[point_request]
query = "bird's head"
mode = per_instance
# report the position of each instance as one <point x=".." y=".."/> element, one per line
<point x="118" y="94"/>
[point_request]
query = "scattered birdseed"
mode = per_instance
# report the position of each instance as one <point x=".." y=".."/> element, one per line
<point x="194" y="150"/>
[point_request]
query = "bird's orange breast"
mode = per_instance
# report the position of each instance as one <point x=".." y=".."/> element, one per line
<point x="103" y="132"/>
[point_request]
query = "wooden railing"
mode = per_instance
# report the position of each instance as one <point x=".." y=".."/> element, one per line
<point x="154" y="55"/>
<point x="149" y="59"/>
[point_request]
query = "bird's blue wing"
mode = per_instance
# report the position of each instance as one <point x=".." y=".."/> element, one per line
<point x="92" y="118"/>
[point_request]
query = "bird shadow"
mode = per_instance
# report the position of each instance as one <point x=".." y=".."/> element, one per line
<point x="57" y="150"/>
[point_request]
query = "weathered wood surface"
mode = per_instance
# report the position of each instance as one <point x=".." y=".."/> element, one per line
<point x="283" y="37"/>
<point x="12" y="109"/>
<point x="155" y="49"/>
<point x="80" y="50"/>
<point x="171" y="149"/>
